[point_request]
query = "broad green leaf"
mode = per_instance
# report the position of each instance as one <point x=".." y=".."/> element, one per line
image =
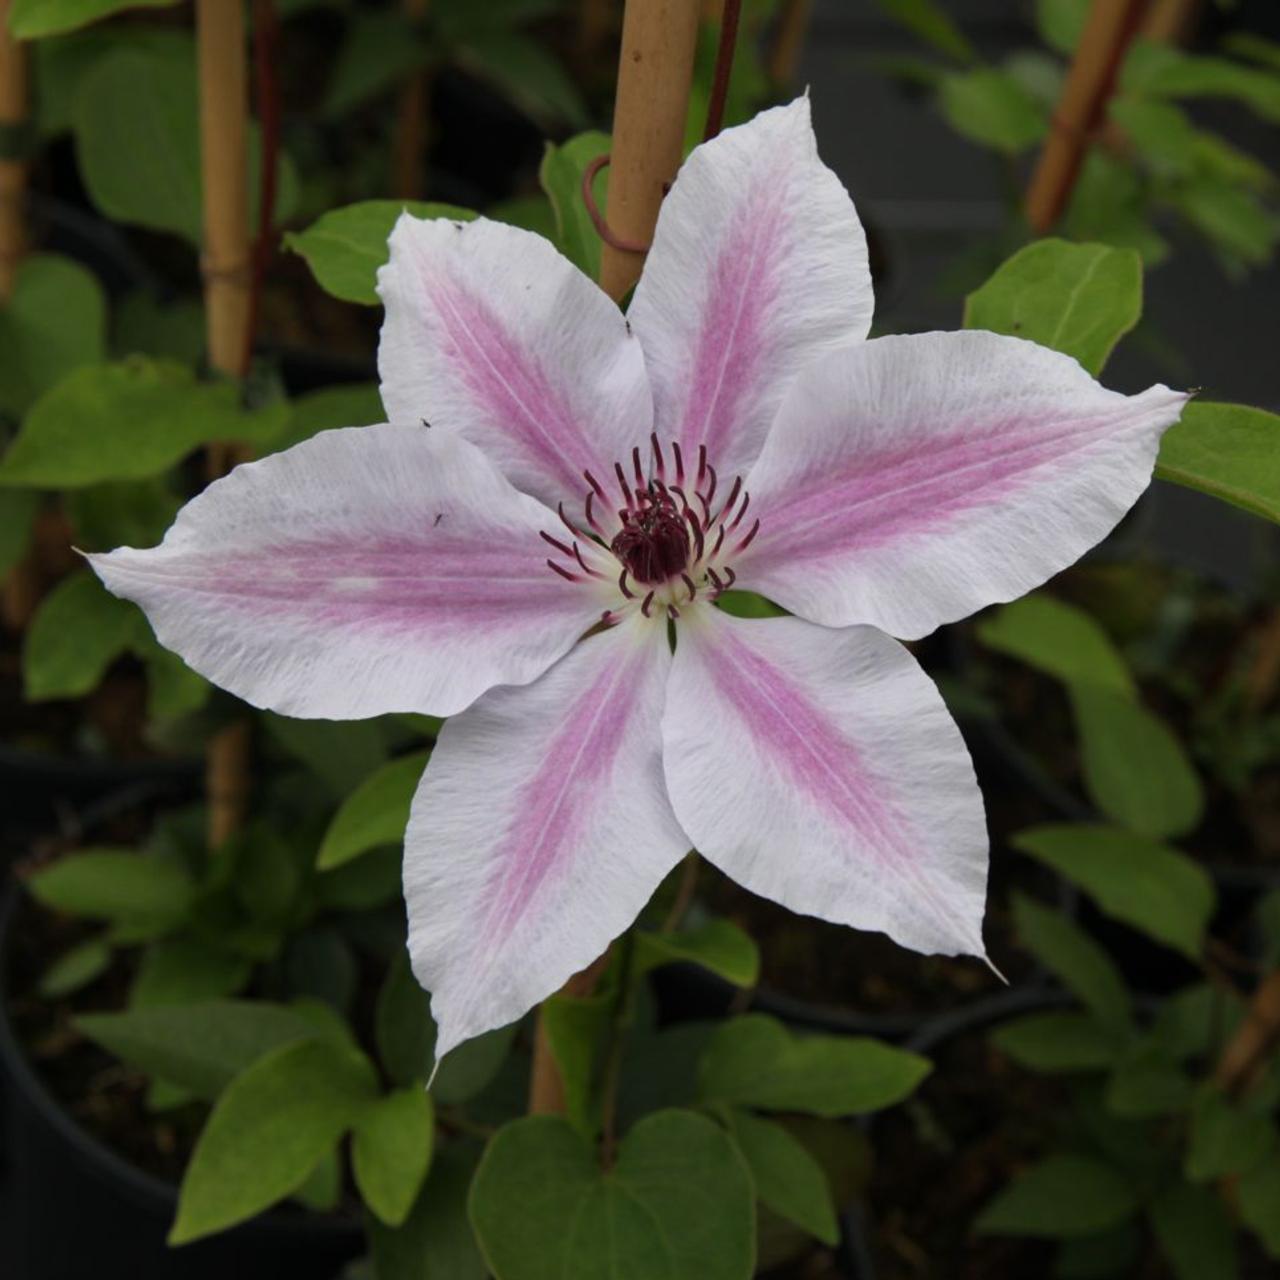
<point x="992" y="108"/>
<point x="173" y="689"/>
<point x="342" y="753"/>
<point x="1080" y="299"/>
<point x="123" y="513"/>
<point x="1195" y="1232"/>
<point x="561" y="176"/>
<point x="1110" y="205"/>
<point x="345" y="247"/>
<point x="1058" y="1042"/>
<point x="379" y="51"/>
<point x="1259" y="1199"/>
<point x="1231" y="451"/>
<point x="435" y="1242"/>
<point x="1075" y="959"/>
<point x="54" y="321"/>
<point x="754" y="1061"/>
<point x="32" y="19"/>
<point x="1135" y="769"/>
<point x="1145" y="884"/>
<point x="522" y="69"/>
<point x="929" y="20"/>
<point x="201" y="1046"/>
<point x="75" y="969"/>
<point x="1256" y="48"/>
<point x="391" y="1151"/>
<point x="266" y="1133"/>
<point x="363" y="884"/>
<point x="141" y="325"/>
<point x="717" y="945"/>
<point x="1164" y="71"/>
<point x="18" y="508"/>
<point x="268" y="874"/>
<point x="1061" y="1197"/>
<point x="1196" y="1021"/>
<point x="1225" y="1137"/>
<point x="319" y="964"/>
<point x="403" y="1030"/>
<point x="1060" y="23"/>
<point x="109" y="884"/>
<point x="1162" y="133"/>
<point x="138" y="141"/>
<point x="78" y="631"/>
<point x="1148" y="1082"/>
<point x="467" y="1070"/>
<point x="321" y="1189"/>
<point x="787" y="1178"/>
<point x="1238" y="223"/>
<point x="127" y="421"/>
<point x="374" y="814"/>
<point x="182" y="970"/>
<point x="1104" y="1256"/>
<point x="577" y="1030"/>
<point x="529" y="213"/>
<point x="677" y="1203"/>
<point x="355" y="405"/>
<point x="1058" y="639"/>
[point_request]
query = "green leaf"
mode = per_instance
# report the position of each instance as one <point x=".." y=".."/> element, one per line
<point x="561" y="177"/>
<point x="403" y="1030"/>
<point x="1078" y="961"/>
<point x="755" y="1061"/>
<point x="1145" y="884"/>
<point x="1134" y="768"/>
<point x="1058" y="639"/>
<point x="267" y="1132"/>
<point x="1104" y="1256"/>
<point x="345" y="247"/>
<point x="1225" y="1138"/>
<point x="183" y="970"/>
<point x="374" y="814"/>
<point x="18" y="510"/>
<point x="33" y="19"/>
<point x="321" y="1189"/>
<point x="1231" y="451"/>
<point x="577" y="1029"/>
<point x="1060" y="23"/>
<point x="110" y="884"/>
<point x="342" y="753"/>
<point x="138" y="141"/>
<point x="78" y="631"/>
<point x="1196" y="1021"/>
<point x="1061" y="1197"/>
<point x="391" y="1151"/>
<point x="354" y="405"/>
<point x="467" y="1070"/>
<point x="1148" y="1082"/>
<point x="1109" y="204"/>
<point x="1162" y="133"/>
<point x="1163" y="71"/>
<point x="1058" y="1042"/>
<point x="379" y="52"/>
<point x="368" y="882"/>
<point x="929" y="21"/>
<point x="141" y="325"/>
<point x="992" y="108"/>
<point x="54" y="321"/>
<point x="677" y="1203"/>
<point x="127" y="421"/>
<point x="717" y="945"/>
<point x="173" y="689"/>
<point x="1259" y="1200"/>
<point x="75" y="969"/>
<point x="529" y="213"/>
<point x="787" y="1178"/>
<point x="1077" y="298"/>
<point x="1237" y="222"/>
<point x="201" y="1046"/>
<point x="1195" y="1233"/>
<point x="1256" y="48"/>
<point x="129" y="513"/>
<point x="435" y="1242"/>
<point x="519" y="67"/>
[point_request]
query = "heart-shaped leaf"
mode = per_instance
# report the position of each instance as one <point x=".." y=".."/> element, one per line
<point x="677" y="1203"/>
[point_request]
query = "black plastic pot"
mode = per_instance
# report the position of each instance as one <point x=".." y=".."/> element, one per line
<point x="70" y="1208"/>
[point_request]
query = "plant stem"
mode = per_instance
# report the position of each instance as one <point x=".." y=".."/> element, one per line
<point x="685" y="890"/>
<point x="611" y="1074"/>
<point x="655" y="69"/>
<point x="227" y="267"/>
<point x="408" y="159"/>
<point x="730" y="14"/>
<point x="1255" y="1040"/>
<point x="1110" y="28"/>
<point x="654" y="72"/>
<point x="1171" y="21"/>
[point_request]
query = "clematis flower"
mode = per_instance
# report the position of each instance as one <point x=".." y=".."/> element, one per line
<point x="536" y="545"/>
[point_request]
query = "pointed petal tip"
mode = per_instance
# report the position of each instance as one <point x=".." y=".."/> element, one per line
<point x="986" y="959"/>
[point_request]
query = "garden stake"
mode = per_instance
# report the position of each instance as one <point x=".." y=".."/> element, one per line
<point x="408" y="168"/>
<point x="788" y="41"/>
<point x="19" y="585"/>
<point x="1171" y="21"/>
<point x="1111" y="26"/>
<point x="655" y="69"/>
<point x="1257" y="1037"/>
<point x="227" y="267"/>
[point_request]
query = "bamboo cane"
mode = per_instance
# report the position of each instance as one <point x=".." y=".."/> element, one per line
<point x="654" y="74"/>
<point x="1110" y="28"/>
<point x="408" y="167"/>
<point x="788" y="41"/>
<point x="1171" y="21"/>
<point x="227" y="266"/>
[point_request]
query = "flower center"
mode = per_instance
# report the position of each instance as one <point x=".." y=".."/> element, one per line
<point x="673" y="539"/>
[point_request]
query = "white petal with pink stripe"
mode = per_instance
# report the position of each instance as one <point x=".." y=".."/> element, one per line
<point x="821" y="769"/>
<point x="366" y="570"/>
<point x="490" y="332"/>
<point x="758" y="266"/>
<point x="541" y="828"/>
<point x="911" y="480"/>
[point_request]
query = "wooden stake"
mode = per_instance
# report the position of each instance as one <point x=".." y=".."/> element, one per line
<point x="1171" y="21"/>
<point x="654" y="74"/>
<point x="227" y="267"/>
<point x="788" y="41"/>
<point x="1255" y="1040"/>
<point x="1110" y="28"/>
<point x="408" y="160"/>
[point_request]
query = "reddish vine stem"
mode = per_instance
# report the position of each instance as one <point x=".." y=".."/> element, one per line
<point x="724" y="67"/>
<point x="266" y="45"/>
